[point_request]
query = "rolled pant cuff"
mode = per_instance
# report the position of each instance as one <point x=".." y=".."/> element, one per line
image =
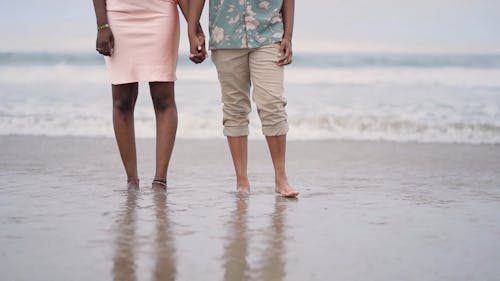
<point x="236" y="131"/>
<point x="279" y="130"/>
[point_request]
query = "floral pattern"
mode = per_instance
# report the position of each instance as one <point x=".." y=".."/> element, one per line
<point x="243" y="24"/>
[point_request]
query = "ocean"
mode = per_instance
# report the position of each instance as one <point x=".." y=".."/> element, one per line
<point x="383" y="150"/>
<point x="369" y="97"/>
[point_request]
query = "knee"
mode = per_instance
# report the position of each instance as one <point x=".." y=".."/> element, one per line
<point x="163" y="102"/>
<point x="273" y="118"/>
<point x="124" y="105"/>
<point x="237" y="107"/>
<point x="235" y="121"/>
<point x="235" y="116"/>
<point x="272" y="111"/>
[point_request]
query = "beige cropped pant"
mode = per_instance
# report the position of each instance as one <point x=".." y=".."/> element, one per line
<point x="238" y="71"/>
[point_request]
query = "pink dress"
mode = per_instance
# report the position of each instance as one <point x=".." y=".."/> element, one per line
<point x="146" y="34"/>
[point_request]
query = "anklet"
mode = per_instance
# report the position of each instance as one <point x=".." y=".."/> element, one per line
<point x="160" y="182"/>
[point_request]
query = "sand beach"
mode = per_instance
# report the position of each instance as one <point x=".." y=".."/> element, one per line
<point x="367" y="211"/>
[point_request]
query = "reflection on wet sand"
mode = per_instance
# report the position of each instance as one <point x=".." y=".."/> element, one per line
<point x="166" y="265"/>
<point x="124" y="263"/>
<point x="124" y="266"/>
<point x="272" y="265"/>
<point x="402" y="208"/>
<point x="273" y="262"/>
<point x="235" y="254"/>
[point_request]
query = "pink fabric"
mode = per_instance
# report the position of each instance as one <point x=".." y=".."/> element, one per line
<point x="146" y="36"/>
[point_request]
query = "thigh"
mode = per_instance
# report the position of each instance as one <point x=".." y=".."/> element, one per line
<point x="125" y="92"/>
<point x="146" y="36"/>
<point x="233" y="72"/>
<point x="266" y="75"/>
<point x="162" y="89"/>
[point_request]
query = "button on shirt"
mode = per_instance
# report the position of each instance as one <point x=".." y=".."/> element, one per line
<point x="243" y="24"/>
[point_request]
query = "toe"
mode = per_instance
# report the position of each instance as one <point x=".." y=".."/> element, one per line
<point x="292" y="194"/>
<point x="289" y="194"/>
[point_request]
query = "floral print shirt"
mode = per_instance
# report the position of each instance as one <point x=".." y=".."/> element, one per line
<point x="243" y="24"/>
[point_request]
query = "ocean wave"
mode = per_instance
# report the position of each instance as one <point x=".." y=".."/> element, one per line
<point x="375" y="128"/>
<point x="341" y="125"/>
<point x="453" y="104"/>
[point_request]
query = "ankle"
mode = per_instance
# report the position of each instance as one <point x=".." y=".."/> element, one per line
<point x="132" y="183"/>
<point x="242" y="180"/>
<point x="134" y="179"/>
<point x="159" y="182"/>
<point x="160" y="176"/>
<point x="282" y="180"/>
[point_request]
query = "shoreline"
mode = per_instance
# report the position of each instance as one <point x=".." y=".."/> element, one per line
<point x="259" y="139"/>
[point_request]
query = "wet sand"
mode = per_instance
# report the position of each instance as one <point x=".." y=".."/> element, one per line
<point x="367" y="211"/>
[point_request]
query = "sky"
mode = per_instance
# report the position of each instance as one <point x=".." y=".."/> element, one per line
<point x="403" y="26"/>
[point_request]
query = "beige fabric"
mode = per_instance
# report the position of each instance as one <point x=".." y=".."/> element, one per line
<point x="238" y="70"/>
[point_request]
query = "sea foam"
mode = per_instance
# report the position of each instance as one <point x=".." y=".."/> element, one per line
<point x="423" y="99"/>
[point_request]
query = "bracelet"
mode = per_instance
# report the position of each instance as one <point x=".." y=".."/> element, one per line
<point x="101" y="27"/>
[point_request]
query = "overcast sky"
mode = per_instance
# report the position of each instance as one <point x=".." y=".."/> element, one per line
<point x="439" y="26"/>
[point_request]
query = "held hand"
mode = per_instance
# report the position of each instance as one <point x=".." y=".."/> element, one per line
<point x="105" y="42"/>
<point x="198" y="52"/>
<point x="285" y="52"/>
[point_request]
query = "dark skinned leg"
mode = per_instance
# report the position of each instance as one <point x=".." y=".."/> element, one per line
<point x="163" y="96"/>
<point x="124" y="98"/>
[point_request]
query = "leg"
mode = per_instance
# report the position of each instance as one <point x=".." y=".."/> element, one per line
<point x="234" y="78"/>
<point x="124" y="97"/>
<point x="163" y="96"/>
<point x="267" y="78"/>
<point x="277" y="148"/>
<point x="238" y="147"/>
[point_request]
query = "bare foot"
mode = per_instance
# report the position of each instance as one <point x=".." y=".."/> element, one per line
<point x="133" y="183"/>
<point x="243" y="186"/>
<point x="285" y="190"/>
<point x="159" y="184"/>
<point x="243" y="190"/>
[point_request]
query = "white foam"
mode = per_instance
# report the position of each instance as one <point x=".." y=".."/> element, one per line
<point x="334" y="123"/>
<point x="396" y="104"/>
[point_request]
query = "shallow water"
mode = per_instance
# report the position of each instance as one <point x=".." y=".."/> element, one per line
<point x="420" y="98"/>
<point x="367" y="211"/>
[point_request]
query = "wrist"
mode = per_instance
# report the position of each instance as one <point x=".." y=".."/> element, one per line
<point x="199" y="29"/>
<point x="287" y="36"/>
<point x="192" y="31"/>
<point x="101" y="19"/>
<point x="102" y="26"/>
<point x="195" y="31"/>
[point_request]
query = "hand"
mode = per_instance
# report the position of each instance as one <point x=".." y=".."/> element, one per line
<point x="198" y="52"/>
<point x="285" y="52"/>
<point x="105" y="42"/>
